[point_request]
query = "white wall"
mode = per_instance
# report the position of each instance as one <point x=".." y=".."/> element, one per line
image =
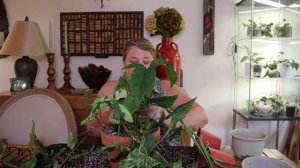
<point x="210" y="78"/>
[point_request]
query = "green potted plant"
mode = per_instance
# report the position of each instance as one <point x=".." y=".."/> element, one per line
<point x="283" y="29"/>
<point x="269" y="106"/>
<point x="256" y="60"/>
<point x="131" y="98"/>
<point x="252" y="28"/>
<point x="272" y="71"/>
<point x="258" y="29"/>
<point x="272" y="66"/>
<point x="266" y="29"/>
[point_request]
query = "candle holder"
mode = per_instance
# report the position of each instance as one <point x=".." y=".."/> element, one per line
<point x="51" y="72"/>
<point x="67" y="71"/>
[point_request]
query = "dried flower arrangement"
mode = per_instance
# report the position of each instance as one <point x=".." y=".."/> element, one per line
<point x="166" y="22"/>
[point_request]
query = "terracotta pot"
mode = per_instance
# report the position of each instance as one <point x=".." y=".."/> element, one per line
<point x="108" y="140"/>
<point x="169" y="52"/>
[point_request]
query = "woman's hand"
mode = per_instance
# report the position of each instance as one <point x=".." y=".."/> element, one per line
<point x="105" y="116"/>
<point x="155" y="112"/>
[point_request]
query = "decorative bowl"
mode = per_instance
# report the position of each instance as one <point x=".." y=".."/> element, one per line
<point x="94" y="76"/>
<point x="264" y="162"/>
<point x="266" y="109"/>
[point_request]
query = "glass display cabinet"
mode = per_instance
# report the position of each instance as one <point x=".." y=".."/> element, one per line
<point x="267" y="75"/>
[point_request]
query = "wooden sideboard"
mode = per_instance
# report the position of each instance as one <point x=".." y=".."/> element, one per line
<point x="76" y="100"/>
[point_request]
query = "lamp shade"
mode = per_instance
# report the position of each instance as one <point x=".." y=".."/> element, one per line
<point x="25" y="39"/>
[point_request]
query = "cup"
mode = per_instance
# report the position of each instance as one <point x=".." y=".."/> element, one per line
<point x="290" y="110"/>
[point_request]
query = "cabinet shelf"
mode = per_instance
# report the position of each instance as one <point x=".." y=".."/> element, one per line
<point x="252" y="44"/>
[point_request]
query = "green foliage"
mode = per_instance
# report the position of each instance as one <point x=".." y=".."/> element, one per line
<point x="255" y="58"/>
<point x="132" y="97"/>
<point x="275" y="101"/>
<point x="71" y="141"/>
<point x="282" y="28"/>
<point x="273" y="64"/>
<point x="265" y="29"/>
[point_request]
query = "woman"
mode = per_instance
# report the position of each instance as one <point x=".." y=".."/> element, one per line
<point x="140" y="51"/>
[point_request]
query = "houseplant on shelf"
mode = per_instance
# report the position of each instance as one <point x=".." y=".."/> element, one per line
<point x="256" y="59"/>
<point x="131" y="98"/>
<point x="283" y="29"/>
<point x="252" y="28"/>
<point x="166" y="22"/>
<point x="273" y="64"/>
<point x="269" y="106"/>
<point x="258" y="29"/>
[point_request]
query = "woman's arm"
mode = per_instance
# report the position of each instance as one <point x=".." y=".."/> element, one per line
<point x="105" y="116"/>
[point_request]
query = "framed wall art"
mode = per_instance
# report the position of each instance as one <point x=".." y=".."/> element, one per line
<point x="99" y="34"/>
<point x="208" y="27"/>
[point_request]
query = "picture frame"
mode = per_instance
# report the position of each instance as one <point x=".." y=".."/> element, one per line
<point x="208" y="27"/>
<point x="19" y="84"/>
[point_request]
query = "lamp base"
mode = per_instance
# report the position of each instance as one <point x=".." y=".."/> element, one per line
<point x="26" y="67"/>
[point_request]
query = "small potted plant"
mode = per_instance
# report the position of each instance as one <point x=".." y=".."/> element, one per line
<point x="269" y="106"/>
<point x="252" y="28"/>
<point x="272" y="71"/>
<point x="272" y="65"/>
<point x="285" y="65"/>
<point x="256" y="59"/>
<point x="283" y="29"/>
<point x="258" y="29"/>
<point x="266" y="29"/>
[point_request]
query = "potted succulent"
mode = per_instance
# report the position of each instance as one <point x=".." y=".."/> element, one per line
<point x="269" y="106"/>
<point x="256" y="59"/>
<point x="131" y="98"/>
<point x="283" y="29"/>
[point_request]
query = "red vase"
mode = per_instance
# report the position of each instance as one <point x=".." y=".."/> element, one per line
<point x="169" y="52"/>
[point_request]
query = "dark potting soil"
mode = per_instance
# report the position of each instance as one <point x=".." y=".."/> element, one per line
<point x="85" y="159"/>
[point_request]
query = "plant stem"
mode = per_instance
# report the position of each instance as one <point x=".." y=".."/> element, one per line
<point x="72" y="151"/>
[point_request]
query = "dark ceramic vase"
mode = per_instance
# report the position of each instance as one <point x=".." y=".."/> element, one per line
<point x="26" y="67"/>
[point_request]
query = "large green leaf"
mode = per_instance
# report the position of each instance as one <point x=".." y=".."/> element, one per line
<point x="129" y="103"/>
<point x="142" y="82"/>
<point x="98" y="104"/>
<point x="169" y="69"/>
<point x="117" y="113"/>
<point x="122" y="84"/>
<point x="181" y="111"/>
<point x="127" y="115"/>
<point x="164" y="101"/>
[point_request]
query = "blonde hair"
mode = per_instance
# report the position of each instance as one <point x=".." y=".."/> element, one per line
<point x="140" y="43"/>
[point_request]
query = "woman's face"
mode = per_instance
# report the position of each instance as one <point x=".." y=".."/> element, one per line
<point x="137" y="56"/>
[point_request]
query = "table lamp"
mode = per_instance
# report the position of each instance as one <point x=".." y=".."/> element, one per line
<point x="24" y="40"/>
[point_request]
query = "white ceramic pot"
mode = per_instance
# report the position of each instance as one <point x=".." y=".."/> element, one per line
<point x="264" y="162"/>
<point x="247" y="142"/>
